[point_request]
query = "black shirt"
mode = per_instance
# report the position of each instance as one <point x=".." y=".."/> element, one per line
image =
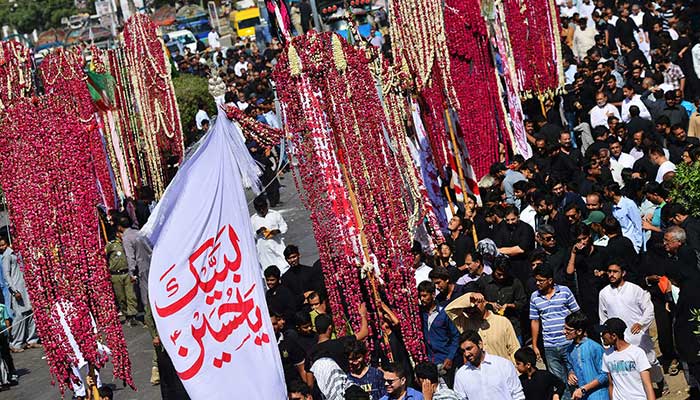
<point x="510" y="291"/>
<point x="542" y="385"/>
<point x="461" y="246"/>
<point x="282" y="300"/>
<point x="520" y="235"/>
<point x="302" y="278"/>
<point x="585" y="284"/>
<point x="292" y="355"/>
<point x="621" y="248"/>
<point x="335" y="349"/>
<point x="692" y="232"/>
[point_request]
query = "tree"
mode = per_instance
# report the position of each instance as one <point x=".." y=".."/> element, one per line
<point x="686" y="187"/>
<point x="190" y="90"/>
<point x="27" y="15"/>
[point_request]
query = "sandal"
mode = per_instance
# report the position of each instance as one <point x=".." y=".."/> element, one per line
<point x="673" y="369"/>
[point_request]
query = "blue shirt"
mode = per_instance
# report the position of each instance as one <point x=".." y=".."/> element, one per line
<point x="411" y="394"/>
<point x="372" y="382"/>
<point x="551" y="313"/>
<point x="441" y="338"/>
<point x="627" y="213"/>
<point x="586" y="361"/>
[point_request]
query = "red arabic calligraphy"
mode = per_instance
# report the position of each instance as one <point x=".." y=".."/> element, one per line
<point x="233" y="307"/>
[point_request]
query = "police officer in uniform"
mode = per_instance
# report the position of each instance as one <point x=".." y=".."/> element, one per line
<point x="121" y="280"/>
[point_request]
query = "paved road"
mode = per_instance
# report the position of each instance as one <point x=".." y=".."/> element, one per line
<point x="35" y="382"/>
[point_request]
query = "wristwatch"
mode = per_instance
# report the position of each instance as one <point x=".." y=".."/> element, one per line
<point x="584" y="391"/>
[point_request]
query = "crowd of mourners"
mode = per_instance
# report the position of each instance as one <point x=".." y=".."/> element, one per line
<point x="573" y="276"/>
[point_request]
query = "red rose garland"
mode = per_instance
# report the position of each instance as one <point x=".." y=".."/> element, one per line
<point x="533" y="39"/>
<point x="336" y="122"/>
<point x="481" y="118"/>
<point x="15" y="68"/>
<point x="129" y="126"/>
<point x="418" y="38"/>
<point x="149" y="71"/>
<point x="48" y="176"/>
<point x="63" y="76"/>
<point x="263" y="134"/>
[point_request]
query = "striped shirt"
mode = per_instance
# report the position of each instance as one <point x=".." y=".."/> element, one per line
<point x="444" y="393"/>
<point x="551" y="313"/>
<point x="331" y="380"/>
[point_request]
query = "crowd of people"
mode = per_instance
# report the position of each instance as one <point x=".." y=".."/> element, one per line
<point x="577" y="258"/>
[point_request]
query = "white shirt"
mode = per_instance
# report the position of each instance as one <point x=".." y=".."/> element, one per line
<point x="636" y="100"/>
<point x="625" y="368"/>
<point x="466" y="278"/>
<point x="270" y="251"/>
<point x="494" y="379"/>
<point x="626" y="160"/>
<point x="528" y="216"/>
<point x="695" y="52"/>
<point x="240" y="68"/>
<point x="421" y="273"/>
<point x="213" y="39"/>
<point x="636" y="153"/>
<point x="599" y="115"/>
<point x="664" y="168"/>
<point x="638" y="19"/>
<point x="199" y="117"/>
<point x="631" y="304"/>
<point x="568" y="12"/>
<point x="616" y="171"/>
<point x="570" y="74"/>
<point x="586" y="10"/>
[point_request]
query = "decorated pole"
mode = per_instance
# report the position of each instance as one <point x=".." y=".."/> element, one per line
<point x="365" y="252"/>
<point x="458" y="156"/>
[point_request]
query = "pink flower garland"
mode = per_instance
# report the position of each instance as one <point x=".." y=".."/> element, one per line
<point x="149" y="71"/>
<point x="63" y="76"/>
<point x="335" y="119"/>
<point x="481" y="118"/>
<point x="48" y="176"/>
<point x="15" y="67"/>
<point x="532" y="41"/>
<point x="263" y="134"/>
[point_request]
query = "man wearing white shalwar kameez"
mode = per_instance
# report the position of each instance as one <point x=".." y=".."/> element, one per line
<point x="632" y="304"/>
<point x="269" y="226"/>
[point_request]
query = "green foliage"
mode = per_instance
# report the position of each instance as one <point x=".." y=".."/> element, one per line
<point x="27" y="15"/>
<point x="686" y="190"/>
<point x="190" y="90"/>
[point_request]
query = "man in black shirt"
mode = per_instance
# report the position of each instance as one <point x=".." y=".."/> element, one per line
<point x="335" y="348"/>
<point x="585" y="272"/>
<point x="620" y="247"/>
<point x="678" y="142"/>
<point x="537" y="384"/>
<point x="279" y="297"/>
<point x="301" y="279"/>
<point x="292" y="356"/>
<point x="678" y="215"/>
<point x="459" y="239"/>
<point x="515" y="239"/>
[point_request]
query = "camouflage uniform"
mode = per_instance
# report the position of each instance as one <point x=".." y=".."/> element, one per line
<point x="121" y="281"/>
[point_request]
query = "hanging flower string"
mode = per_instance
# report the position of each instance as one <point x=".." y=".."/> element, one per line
<point x="49" y="180"/>
<point x="149" y="72"/>
<point x="63" y="76"/>
<point x="263" y="134"/>
<point x="336" y="124"/>
<point x="15" y="70"/>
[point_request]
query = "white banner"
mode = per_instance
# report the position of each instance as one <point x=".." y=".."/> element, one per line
<point x="204" y="284"/>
